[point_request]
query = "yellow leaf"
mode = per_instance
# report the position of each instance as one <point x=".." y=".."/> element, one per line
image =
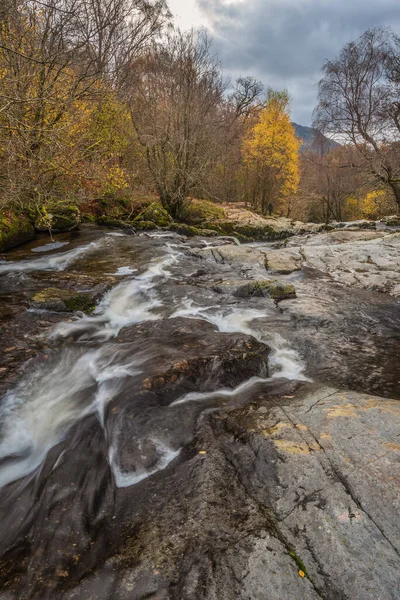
<point x="202" y="452"/>
<point x="302" y="574"/>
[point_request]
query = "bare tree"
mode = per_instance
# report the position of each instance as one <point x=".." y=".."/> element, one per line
<point x="247" y="95"/>
<point x="176" y="94"/>
<point x="359" y="101"/>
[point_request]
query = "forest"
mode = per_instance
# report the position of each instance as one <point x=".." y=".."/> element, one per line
<point x="107" y="109"/>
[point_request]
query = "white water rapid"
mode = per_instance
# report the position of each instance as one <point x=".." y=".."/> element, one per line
<point x="85" y="375"/>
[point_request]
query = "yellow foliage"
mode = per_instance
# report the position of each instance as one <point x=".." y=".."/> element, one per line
<point x="116" y="180"/>
<point x="271" y="149"/>
<point x="375" y="204"/>
<point x="351" y="208"/>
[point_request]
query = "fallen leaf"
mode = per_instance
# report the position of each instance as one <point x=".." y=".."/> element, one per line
<point x="302" y="574"/>
<point x="202" y="452"/>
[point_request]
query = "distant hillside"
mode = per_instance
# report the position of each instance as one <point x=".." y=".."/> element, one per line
<point x="312" y="139"/>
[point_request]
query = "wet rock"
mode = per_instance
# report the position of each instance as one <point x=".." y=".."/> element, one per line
<point x="15" y="229"/>
<point x="256" y="287"/>
<point x="391" y="221"/>
<point x="113" y="223"/>
<point x="190" y="230"/>
<point x="58" y="217"/>
<point x="242" y="255"/>
<point x="292" y="496"/>
<point x="194" y="355"/>
<point x="63" y="300"/>
<point x="96" y="284"/>
<point x="373" y="264"/>
<point x="283" y="261"/>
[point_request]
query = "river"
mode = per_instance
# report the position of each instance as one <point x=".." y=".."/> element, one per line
<point x="100" y="411"/>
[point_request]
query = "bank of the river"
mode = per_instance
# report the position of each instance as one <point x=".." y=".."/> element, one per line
<point x="184" y="417"/>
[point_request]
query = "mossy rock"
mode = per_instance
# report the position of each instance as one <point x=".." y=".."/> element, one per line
<point x="14" y="230"/>
<point x="202" y="211"/>
<point x="58" y="217"/>
<point x="112" y="223"/>
<point x="257" y="287"/>
<point x="154" y="213"/>
<point x="145" y="225"/>
<point x="62" y="300"/>
<point x="249" y="233"/>
<point x="392" y="221"/>
<point x="208" y="232"/>
<point x="281" y="291"/>
<point x="184" y="229"/>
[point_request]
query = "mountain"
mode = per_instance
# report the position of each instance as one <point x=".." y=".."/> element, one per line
<point x="313" y="139"/>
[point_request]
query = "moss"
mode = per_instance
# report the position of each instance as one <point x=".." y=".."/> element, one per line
<point x="15" y="229"/>
<point x="58" y="217"/>
<point x="391" y="220"/>
<point x="60" y="300"/>
<point x="156" y="214"/>
<point x="80" y="302"/>
<point x="207" y="232"/>
<point x="281" y="291"/>
<point x="201" y="211"/>
<point x="301" y="567"/>
<point x="88" y="218"/>
<point x="112" y="223"/>
<point x="184" y="229"/>
<point x="248" y="233"/>
<point x="145" y="225"/>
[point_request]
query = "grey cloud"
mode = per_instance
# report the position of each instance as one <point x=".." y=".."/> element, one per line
<point x="285" y="42"/>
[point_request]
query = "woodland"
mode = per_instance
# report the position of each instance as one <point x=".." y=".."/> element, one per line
<point x="107" y="108"/>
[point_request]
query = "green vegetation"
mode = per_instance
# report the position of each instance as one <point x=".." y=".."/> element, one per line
<point x="60" y="300"/>
<point x="15" y="229"/>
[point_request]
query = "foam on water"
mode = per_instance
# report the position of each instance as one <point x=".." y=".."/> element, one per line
<point x="41" y="410"/>
<point x="283" y="362"/>
<point x="125" y="271"/>
<point x="242" y="391"/>
<point x="49" y="247"/>
<point x="55" y="262"/>
<point x="127" y="478"/>
<point x="132" y="301"/>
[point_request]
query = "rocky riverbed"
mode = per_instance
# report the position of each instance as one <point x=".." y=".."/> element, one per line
<point x="191" y="418"/>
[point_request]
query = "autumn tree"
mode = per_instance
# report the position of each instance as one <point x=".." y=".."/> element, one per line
<point x="270" y="151"/>
<point x="175" y="93"/>
<point x="225" y="181"/>
<point x="328" y="182"/>
<point x="359" y="102"/>
<point x="58" y="59"/>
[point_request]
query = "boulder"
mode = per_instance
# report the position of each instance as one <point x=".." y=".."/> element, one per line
<point x="283" y="261"/>
<point x="58" y="217"/>
<point x="15" y="229"/>
<point x="63" y="300"/>
<point x="367" y="263"/>
<point x="154" y="213"/>
<point x="256" y="287"/>
<point x="391" y="221"/>
<point x="242" y="255"/>
<point x="190" y="230"/>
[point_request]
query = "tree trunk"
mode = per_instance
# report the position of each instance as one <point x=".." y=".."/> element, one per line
<point x="395" y="185"/>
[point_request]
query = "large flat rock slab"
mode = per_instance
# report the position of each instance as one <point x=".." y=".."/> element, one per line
<point x="373" y="265"/>
<point x="237" y="255"/>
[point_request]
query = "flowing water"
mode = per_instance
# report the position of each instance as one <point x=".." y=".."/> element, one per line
<point x="90" y="372"/>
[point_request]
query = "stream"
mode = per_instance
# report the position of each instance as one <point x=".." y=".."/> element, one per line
<point x="100" y="412"/>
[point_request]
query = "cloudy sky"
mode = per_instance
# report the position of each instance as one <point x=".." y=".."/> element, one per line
<point x="284" y="42"/>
